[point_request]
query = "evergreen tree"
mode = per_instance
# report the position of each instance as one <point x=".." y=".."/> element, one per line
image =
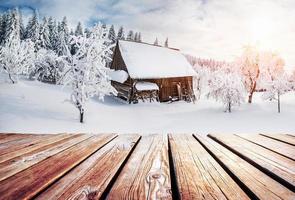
<point x="65" y="29"/>
<point x="121" y="35"/>
<point x="79" y="29"/>
<point x="87" y="32"/>
<point x="136" y="37"/>
<point x="44" y="39"/>
<point x="156" y="43"/>
<point x="1" y="28"/>
<point x="166" y="42"/>
<point x="71" y="32"/>
<point x="53" y="34"/>
<point x="32" y="29"/>
<point x="130" y="35"/>
<point x="112" y="35"/>
<point x="13" y="26"/>
<point x="22" y="26"/>
<point x="139" y="37"/>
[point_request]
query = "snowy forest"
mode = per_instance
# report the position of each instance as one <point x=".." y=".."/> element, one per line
<point x="49" y="51"/>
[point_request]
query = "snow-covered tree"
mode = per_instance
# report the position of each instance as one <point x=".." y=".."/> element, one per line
<point x="200" y="80"/>
<point x="274" y="79"/>
<point x="249" y="65"/>
<point x="136" y="37"/>
<point x="2" y="27"/>
<point x="121" y="35"/>
<point x="53" y="34"/>
<point x="44" y="36"/>
<point x="48" y="66"/>
<point x="139" y="37"/>
<point x="12" y="29"/>
<point x="32" y="29"/>
<point x="276" y="87"/>
<point x="227" y="87"/>
<point x="87" y="32"/>
<point x="62" y="45"/>
<point x="17" y="57"/>
<point x="156" y="43"/>
<point x="64" y="30"/>
<point x="22" y="27"/>
<point x="86" y="72"/>
<point x="166" y="43"/>
<point x="79" y="29"/>
<point x="112" y="35"/>
<point x="130" y="36"/>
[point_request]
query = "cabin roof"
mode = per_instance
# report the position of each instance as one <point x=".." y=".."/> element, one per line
<point x="145" y="61"/>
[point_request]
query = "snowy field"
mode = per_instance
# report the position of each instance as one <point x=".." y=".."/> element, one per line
<point x="35" y="107"/>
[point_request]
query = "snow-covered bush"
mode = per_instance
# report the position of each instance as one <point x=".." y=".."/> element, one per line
<point x="48" y="66"/>
<point x="86" y="71"/>
<point x="17" y="57"/>
<point x="227" y="87"/>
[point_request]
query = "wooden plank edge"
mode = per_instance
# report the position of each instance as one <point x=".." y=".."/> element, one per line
<point x="265" y="147"/>
<point x="69" y="170"/>
<point x="173" y="178"/>
<point x="105" y="193"/>
<point x="269" y="136"/>
<point x="282" y="181"/>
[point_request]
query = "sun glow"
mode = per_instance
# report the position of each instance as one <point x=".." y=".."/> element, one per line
<point x="261" y="32"/>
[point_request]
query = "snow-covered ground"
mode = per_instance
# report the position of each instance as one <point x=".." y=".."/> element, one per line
<point x="31" y="106"/>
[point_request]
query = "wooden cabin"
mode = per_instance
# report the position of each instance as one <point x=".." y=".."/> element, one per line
<point x="145" y="71"/>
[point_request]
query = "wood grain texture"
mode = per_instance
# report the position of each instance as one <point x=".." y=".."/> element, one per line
<point x="271" y="144"/>
<point x="277" y="164"/>
<point x="52" y="139"/>
<point x="91" y="177"/>
<point x="17" y="164"/>
<point x="29" y="182"/>
<point x="21" y="143"/>
<point x="198" y="175"/>
<point x="261" y="185"/>
<point x="7" y="137"/>
<point x="282" y="137"/>
<point x="146" y="174"/>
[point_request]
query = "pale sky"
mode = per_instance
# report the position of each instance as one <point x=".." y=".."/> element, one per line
<point x="204" y="28"/>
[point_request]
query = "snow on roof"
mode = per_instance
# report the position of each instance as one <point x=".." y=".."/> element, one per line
<point x="120" y="76"/>
<point x="143" y="86"/>
<point x="149" y="61"/>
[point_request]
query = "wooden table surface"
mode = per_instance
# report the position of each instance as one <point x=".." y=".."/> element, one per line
<point x="155" y="166"/>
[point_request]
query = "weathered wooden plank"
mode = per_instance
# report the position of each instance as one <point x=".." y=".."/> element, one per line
<point x="92" y="176"/>
<point x="271" y="144"/>
<point x="29" y="182"/>
<point x="54" y="138"/>
<point x="20" y="143"/>
<point x="6" y="137"/>
<point x="198" y="175"/>
<point x="270" y="161"/>
<point x="146" y="174"/>
<point x="17" y="164"/>
<point x="257" y="184"/>
<point x="282" y="137"/>
<point x="9" y="137"/>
